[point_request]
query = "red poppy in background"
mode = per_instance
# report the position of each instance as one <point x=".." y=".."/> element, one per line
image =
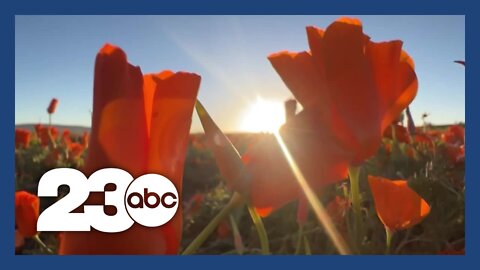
<point x="75" y="150"/>
<point x="37" y="128"/>
<point x="422" y="138"/>
<point x="401" y="133"/>
<point x="434" y="134"/>
<point x="52" y="107"/>
<point x="351" y="90"/>
<point x="398" y="206"/>
<point x="455" y="135"/>
<point x="47" y="135"/>
<point x="455" y="154"/>
<point x="27" y="208"/>
<point x="140" y="124"/>
<point x="22" y="138"/>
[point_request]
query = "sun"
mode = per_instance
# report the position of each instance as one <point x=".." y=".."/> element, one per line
<point x="263" y="116"/>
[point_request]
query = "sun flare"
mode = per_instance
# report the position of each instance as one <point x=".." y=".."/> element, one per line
<point x="264" y="116"/>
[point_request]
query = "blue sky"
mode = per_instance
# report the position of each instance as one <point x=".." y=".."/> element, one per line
<point x="54" y="57"/>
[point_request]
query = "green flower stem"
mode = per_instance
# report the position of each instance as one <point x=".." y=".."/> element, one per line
<point x="40" y="242"/>
<point x="299" y="240"/>
<point x="306" y="243"/>
<point x="237" y="238"/>
<point x="388" y="238"/>
<point x="262" y="233"/>
<point x="354" y="173"/>
<point x="50" y="136"/>
<point x="234" y="202"/>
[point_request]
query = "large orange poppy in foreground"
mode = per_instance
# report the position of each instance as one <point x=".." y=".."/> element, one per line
<point x="351" y="90"/>
<point x="140" y="124"/>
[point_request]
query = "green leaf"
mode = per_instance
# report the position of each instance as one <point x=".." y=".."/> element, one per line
<point x="226" y="155"/>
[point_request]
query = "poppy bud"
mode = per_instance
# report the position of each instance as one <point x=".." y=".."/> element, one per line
<point x="53" y="106"/>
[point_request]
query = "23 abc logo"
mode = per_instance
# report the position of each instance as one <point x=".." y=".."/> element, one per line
<point x="150" y="200"/>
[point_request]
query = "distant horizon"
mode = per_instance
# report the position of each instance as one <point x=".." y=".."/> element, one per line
<point x="22" y="125"/>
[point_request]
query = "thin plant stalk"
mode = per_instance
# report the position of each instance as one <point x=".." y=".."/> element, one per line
<point x="354" y="175"/>
<point x="262" y="233"/>
<point x="42" y="244"/>
<point x="388" y="240"/>
<point x="234" y="202"/>
<point x="306" y="245"/>
<point x="299" y="240"/>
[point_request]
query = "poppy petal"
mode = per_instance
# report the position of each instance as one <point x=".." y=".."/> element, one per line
<point x="347" y="72"/>
<point x="171" y="116"/>
<point x="395" y="78"/>
<point x="319" y="159"/>
<point x="299" y="74"/>
<point x="397" y="205"/>
<point x="27" y="208"/>
<point x="227" y="157"/>
<point x="118" y="115"/>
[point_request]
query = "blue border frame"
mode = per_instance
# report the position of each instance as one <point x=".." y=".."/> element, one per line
<point x="7" y="99"/>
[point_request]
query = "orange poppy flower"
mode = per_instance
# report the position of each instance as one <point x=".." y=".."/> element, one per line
<point x="44" y="136"/>
<point x="422" y="138"/>
<point x="434" y="134"/>
<point x="351" y="90"/>
<point x="27" y="208"/>
<point x="140" y="124"/>
<point x="398" y="206"/>
<point x="37" y="128"/>
<point x="401" y="133"/>
<point x="22" y="138"/>
<point x="455" y="135"/>
<point x="75" y="150"/>
<point x="52" y="106"/>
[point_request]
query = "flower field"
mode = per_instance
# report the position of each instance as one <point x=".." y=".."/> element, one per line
<point x="349" y="172"/>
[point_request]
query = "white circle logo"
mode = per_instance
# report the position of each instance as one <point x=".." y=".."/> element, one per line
<point x="151" y="200"/>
